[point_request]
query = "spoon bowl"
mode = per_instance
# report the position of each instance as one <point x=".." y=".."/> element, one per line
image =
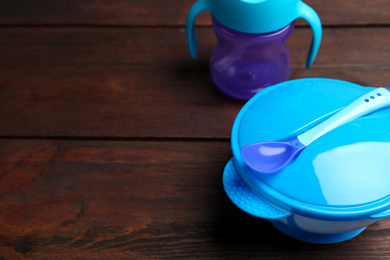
<point x="268" y="157"/>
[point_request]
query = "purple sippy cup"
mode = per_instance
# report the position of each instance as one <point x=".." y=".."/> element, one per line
<point x="251" y="52"/>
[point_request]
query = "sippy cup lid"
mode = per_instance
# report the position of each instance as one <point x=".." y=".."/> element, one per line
<point x="256" y="16"/>
<point x="260" y="16"/>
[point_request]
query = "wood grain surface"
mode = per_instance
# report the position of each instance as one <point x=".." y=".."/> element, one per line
<point x="113" y="139"/>
<point x="169" y="12"/>
<point x="142" y="199"/>
<point x="141" y="82"/>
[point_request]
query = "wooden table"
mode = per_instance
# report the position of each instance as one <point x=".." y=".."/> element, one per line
<point x="113" y="140"/>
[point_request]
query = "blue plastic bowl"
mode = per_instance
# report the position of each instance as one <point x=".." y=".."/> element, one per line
<point x="337" y="186"/>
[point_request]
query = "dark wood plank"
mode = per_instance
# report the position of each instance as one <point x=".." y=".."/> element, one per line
<point x="127" y="200"/>
<point x="142" y="82"/>
<point x="167" y="13"/>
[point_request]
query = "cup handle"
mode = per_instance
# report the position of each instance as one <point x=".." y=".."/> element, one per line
<point x="199" y="6"/>
<point x="307" y="13"/>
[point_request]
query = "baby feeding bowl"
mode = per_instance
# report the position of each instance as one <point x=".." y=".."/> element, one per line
<point x="251" y="52"/>
<point x="337" y="186"/>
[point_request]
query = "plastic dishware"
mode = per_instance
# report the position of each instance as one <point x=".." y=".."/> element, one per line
<point x="337" y="186"/>
<point x="251" y="52"/>
<point x="242" y="63"/>
<point x="271" y="157"/>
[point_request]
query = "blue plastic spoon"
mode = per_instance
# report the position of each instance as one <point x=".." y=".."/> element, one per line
<point x="271" y="157"/>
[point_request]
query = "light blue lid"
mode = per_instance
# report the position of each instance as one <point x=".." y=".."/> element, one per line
<point x="345" y="174"/>
<point x="256" y="16"/>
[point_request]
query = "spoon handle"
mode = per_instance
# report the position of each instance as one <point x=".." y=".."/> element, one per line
<point x="369" y="102"/>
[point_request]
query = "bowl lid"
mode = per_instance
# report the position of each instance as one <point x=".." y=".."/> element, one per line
<point x="344" y="173"/>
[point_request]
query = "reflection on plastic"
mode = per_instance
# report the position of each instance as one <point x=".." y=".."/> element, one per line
<point x="355" y="175"/>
